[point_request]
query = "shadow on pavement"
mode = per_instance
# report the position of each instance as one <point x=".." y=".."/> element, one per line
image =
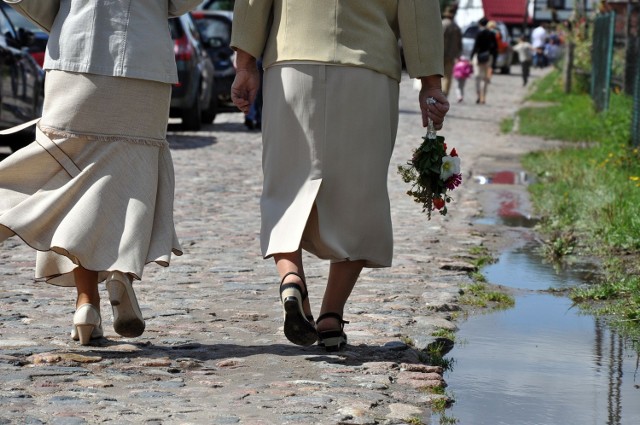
<point x="184" y="141"/>
<point x="351" y="356"/>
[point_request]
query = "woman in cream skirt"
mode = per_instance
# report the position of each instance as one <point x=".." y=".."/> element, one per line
<point x="93" y="194"/>
<point x="330" y="118"/>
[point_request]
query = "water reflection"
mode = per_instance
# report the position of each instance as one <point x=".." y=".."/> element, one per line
<point x="510" y="205"/>
<point x="525" y="268"/>
<point x="542" y="362"/>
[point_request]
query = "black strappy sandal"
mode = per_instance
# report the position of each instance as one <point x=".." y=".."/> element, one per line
<point x="332" y="340"/>
<point x="298" y="327"/>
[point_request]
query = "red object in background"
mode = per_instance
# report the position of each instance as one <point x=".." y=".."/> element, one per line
<point x="183" y="49"/>
<point x="508" y="11"/>
<point x="504" y="177"/>
<point x="39" y="57"/>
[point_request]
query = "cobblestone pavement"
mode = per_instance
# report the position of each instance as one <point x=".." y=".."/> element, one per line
<point x="213" y="351"/>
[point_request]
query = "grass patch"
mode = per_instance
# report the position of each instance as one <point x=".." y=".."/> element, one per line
<point x="479" y="295"/>
<point x="588" y="194"/>
<point x="441" y="404"/>
<point x="445" y="333"/>
<point x="434" y="355"/>
<point x="408" y="341"/>
<point x="617" y="297"/>
<point x="506" y="125"/>
<point x="447" y="420"/>
<point x="481" y="256"/>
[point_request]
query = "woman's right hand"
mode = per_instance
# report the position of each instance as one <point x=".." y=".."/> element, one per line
<point x="437" y="111"/>
<point x="246" y="83"/>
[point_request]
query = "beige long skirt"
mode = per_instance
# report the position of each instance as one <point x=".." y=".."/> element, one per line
<point x="96" y="187"/>
<point x="328" y="136"/>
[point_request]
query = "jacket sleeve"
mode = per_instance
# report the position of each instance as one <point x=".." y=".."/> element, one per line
<point x="42" y="13"/>
<point x="180" y="7"/>
<point x="251" y="25"/>
<point x="422" y="37"/>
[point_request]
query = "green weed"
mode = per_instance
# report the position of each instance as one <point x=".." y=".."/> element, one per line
<point x="588" y="194"/>
<point x="478" y="295"/>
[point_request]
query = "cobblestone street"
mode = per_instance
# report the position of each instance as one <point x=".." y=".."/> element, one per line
<point x="214" y="351"/>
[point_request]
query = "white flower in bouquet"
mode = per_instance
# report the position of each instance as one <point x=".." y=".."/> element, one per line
<point x="450" y="166"/>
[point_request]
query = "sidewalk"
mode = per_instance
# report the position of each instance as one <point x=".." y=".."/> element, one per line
<point x="213" y="351"/>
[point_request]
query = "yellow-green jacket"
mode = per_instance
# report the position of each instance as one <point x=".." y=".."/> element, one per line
<point x="362" y="33"/>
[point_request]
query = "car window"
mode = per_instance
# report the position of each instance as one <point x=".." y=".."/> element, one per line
<point x="190" y="26"/>
<point x="5" y="26"/>
<point x="219" y="5"/>
<point x="213" y="27"/>
<point x="18" y="20"/>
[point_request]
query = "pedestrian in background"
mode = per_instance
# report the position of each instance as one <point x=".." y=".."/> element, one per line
<point x="452" y="46"/>
<point x="502" y="45"/>
<point x="462" y="70"/>
<point x="552" y="49"/>
<point x="538" y="41"/>
<point x="484" y="55"/>
<point x="94" y="193"/>
<point x="330" y="116"/>
<point x="525" y="51"/>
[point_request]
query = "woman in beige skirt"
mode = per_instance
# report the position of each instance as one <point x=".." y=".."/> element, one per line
<point x="330" y="118"/>
<point x="93" y="194"/>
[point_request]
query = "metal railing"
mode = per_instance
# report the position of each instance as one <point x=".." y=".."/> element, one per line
<point x="635" y="114"/>
<point x="602" y="58"/>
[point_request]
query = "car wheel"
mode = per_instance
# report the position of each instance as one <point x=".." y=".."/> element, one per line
<point x="191" y="116"/>
<point x="209" y="114"/>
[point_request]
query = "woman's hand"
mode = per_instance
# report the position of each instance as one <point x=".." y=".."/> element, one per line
<point x="431" y="87"/>
<point x="246" y="83"/>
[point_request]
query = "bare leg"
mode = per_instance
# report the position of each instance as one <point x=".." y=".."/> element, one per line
<point x="292" y="262"/>
<point x="87" y="287"/>
<point x="342" y="279"/>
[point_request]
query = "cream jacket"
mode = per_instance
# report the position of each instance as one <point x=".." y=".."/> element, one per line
<point x="361" y="33"/>
<point x="105" y="37"/>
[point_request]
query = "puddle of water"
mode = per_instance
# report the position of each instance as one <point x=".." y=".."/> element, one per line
<point x="504" y="177"/>
<point x="510" y="208"/>
<point x="525" y="268"/>
<point x="518" y="220"/>
<point x="542" y="362"/>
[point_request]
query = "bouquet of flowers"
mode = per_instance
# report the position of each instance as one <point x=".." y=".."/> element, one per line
<point x="432" y="172"/>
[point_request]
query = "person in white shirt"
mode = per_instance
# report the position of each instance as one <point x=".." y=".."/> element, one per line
<point x="538" y="40"/>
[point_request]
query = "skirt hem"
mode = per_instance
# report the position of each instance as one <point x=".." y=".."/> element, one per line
<point x="52" y="131"/>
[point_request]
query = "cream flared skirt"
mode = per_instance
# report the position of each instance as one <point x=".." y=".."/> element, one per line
<point x="328" y="136"/>
<point x="96" y="187"/>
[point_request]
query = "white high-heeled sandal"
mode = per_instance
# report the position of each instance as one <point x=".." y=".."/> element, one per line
<point x="127" y="317"/>
<point x="87" y="324"/>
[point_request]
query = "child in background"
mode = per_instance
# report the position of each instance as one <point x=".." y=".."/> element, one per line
<point x="462" y="70"/>
<point x="525" y="52"/>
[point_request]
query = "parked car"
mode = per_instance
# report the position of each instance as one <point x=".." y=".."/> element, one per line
<point x="38" y="45"/>
<point x="217" y="5"/>
<point x="21" y="81"/>
<point x="193" y="97"/>
<point x="215" y="31"/>
<point x="504" y="59"/>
